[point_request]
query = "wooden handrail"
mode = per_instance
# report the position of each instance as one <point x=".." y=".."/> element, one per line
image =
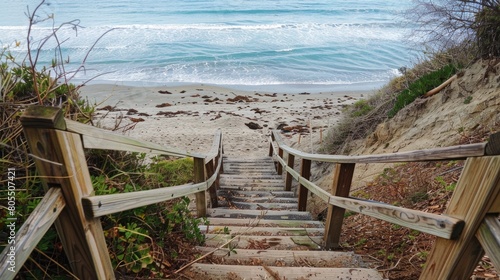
<point x="446" y="153"/>
<point x="31" y="232"/>
<point x="215" y="150"/>
<point x="97" y="138"/>
<point x="69" y="202"/>
<point x="438" y="225"/>
<point x="468" y="227"/>
<point x="97" y="206"/>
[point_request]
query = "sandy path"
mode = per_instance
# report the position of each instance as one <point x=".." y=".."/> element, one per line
<point x="186" y="117"/>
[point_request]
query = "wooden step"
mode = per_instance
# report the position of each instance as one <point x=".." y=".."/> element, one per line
<point x="284" y="257"/>
<point x="265" y="242"/>
<point x="250" y="187"/>
<point x="262" y="214"/>
<point x="231" y="183"/>
<point x="264" y="231"/>
<point x="225" y="204"/>
<point x="210" y="271"/>
<point x="256" y="194"/>
<point x="251" y="222"/>
<point x="258" y="166"/>
<point x="251" y="178"/>
<point x="244" y="160"/>
<point x="265" y="199"/>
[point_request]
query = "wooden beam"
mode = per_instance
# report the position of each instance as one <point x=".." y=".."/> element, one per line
<point x="97" y="138"/>
<point x="305" y="172"/>
<point x="214" y="151"/>
<point x="493" y="145"/>
<point x="288" y="178"/>
<point x="199" y="177"/>
<point x="43" y="117"/>
<point x="341" y="187"/>
<point x="446" y="153"/>
<point x="476" y="191"/>
<point x="489" y="237"/>
<point x="30" y="233"/>
<point x="97" y="206"/>
<point x="82" y="238"/>
<point x="209" y="166"/>
<point x="280" y="167"/>
<point x="438" y="225"/>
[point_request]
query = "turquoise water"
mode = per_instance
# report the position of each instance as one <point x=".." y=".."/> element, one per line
<point x="323" y="44"/>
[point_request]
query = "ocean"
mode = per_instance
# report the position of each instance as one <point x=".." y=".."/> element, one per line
<point x="267" y="44"/>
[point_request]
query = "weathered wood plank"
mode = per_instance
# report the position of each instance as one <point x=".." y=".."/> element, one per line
<point x="82" y="238"/>
<point x="96" y="138"/>
<point x="261" y="205"/>
<point x="262" y="231"/>
<point x="280" y="166"/>
<point x="252" y="178"/>
<point x="251" y="188"/>
<point x="30" y="233"/>
<point x="251" y="222"/>
<point x="493" y="145"/>
<point x="265" y="242"/>
<point x="262" y="199"/>
<point x="288" y="177"/>
<point x="258" y="194"/>
<point x="263" y="214"/>
<point x="305" y="172"/>
<point x="438" y="225"/>
<point x="199" y="177"/>
<point x="253" y="183"/>
<point x="489" y="237"/>
<point x="97" y="206"/>
<point x="259" y="272"/>
<point x="209" y="167"/>
<point x="477" y="188"/>
<point x="288" y="258"/>
<point x="341" y="187"/>
<point x="216" y="145"/>
<point x="446" y="153"/>
<point x="248" y="160"/>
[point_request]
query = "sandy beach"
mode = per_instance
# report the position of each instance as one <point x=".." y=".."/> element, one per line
<point x="186" y="117"/>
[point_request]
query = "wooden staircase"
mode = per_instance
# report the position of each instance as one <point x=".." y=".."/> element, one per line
<point x="261" y="234"/>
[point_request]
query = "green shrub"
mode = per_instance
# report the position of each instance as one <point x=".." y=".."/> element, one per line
<point x="422" y="86"/>
<point x="487" y="27"/>
<point x="360" y="108"/>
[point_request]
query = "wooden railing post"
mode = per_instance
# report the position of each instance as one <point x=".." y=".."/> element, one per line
<point x="280" y="167"/>
<point x="199" y="176"/>
<point x="65" y="166"/>
<point x="477" y="190"/>
<point x="213" y="189"/>
<point x="342" y="180"/>
<point x="288" y="179"/>
<point x="305" y="172"/>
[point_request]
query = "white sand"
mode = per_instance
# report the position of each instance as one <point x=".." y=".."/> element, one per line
<point x="206" y="108"/>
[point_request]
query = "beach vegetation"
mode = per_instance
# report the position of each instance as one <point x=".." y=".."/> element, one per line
<point x="422" y="86"/>
<point x="142" y="242"/>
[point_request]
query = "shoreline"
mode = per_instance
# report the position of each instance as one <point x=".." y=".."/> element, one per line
<point x="269" y="88"/>
<point x="187" y="116"/>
